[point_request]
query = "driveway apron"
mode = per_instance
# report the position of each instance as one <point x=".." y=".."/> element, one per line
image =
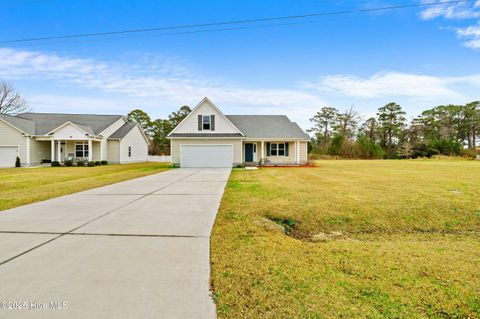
<point x="135" y="249"/>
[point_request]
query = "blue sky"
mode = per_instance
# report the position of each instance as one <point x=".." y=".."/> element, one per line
<point x="418" y="57"/>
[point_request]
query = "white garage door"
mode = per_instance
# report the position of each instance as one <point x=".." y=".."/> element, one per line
<point x="8" y="155"/>
<point x="206" y="155"/>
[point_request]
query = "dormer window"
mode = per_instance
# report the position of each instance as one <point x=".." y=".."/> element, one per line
<point x="206" y="122"/>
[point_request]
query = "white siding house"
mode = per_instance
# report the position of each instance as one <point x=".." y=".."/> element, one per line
<point x="40" y="137"/>
<point x="208" y="138"/>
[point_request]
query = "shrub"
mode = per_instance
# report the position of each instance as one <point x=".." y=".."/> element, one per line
<point x="470" y="153"/>
<point x="335" y="147"/>
<point x="46" y="161"/>
<point x="104" y="162"/>
<point x="424" y="150"/>
<point x="55" y="163"/>
<point x="97" y="163"/>
<point x="90" y="164"/>
<point x="68" y="163"/>
<point x="17" y="162"/>
<point x="80" y="163"/>
<point x="447" y="146"/>
<point x="369" y="149"/>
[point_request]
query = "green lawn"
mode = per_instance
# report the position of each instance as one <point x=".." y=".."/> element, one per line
<point x="20" y="186"/>
<point x="365" y="239"/>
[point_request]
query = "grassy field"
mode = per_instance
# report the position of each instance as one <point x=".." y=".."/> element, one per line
<point x="20" y="186"/>
<point x="350" y="239"/>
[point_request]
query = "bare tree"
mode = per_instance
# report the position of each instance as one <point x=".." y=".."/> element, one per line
<point x="11" y="101"/>
<point x="347" y="122"/>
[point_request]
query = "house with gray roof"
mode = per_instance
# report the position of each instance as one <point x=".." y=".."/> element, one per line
<point x="208" y="138"/>
<point x="43" y="137"/>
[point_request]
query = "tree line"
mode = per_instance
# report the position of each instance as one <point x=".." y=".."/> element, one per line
<point x="442" y="130"/>
<point x="158" y="129"/>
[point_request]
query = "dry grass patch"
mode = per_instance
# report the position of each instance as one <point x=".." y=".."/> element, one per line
<point x="20" y="186"/>
<point x="398" y="239"/>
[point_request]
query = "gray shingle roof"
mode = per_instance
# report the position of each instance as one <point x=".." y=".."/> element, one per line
<point x="87" y="129"/>
<point x="122" y="131"/>
<point x="205" y="135"/>
<point x="26" y="126"/>
<point x="46" y="122"/>
<point x="267" y="126"/>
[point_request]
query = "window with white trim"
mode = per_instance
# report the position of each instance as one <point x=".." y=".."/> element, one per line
<point x="81" y="149"/>
<point x="277" y="149"/>
<point x="206" y="122"/>
<point x="129" y="151"/>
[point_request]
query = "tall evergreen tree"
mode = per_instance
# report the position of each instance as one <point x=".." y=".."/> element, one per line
<point x="323" y="123"/>
<point x="142" y="118"/>
<point x="391" y="120"/>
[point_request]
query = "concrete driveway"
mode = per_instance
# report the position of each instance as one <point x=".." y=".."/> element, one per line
<point x="136" y="249"/>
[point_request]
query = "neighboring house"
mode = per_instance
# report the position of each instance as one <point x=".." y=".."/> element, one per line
<point x="208" y="138"/>
<point x="36" y="137"/>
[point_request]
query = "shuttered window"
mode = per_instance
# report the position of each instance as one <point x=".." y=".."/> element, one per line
<point x="206" y="122"/>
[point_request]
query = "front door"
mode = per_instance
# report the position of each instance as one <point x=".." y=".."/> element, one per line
<point x="248" y="152"/>
<point x="63" y="149"/>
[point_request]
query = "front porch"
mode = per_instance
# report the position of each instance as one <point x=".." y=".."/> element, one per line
<point x="76" y="150"/>
<point x="271" y="153"/>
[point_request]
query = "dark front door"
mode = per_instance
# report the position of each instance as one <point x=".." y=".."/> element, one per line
<point x="249" y="152"/>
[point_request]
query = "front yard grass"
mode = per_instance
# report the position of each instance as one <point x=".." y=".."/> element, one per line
<point x="365" y="239"/>
<point x="20" y="186"/>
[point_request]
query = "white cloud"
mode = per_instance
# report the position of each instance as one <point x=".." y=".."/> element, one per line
<point x="472" y="34"/>
<point x="161" y="85"/>
<point x="474" y="44"/>
<point x="459" y="11"/>
<point x="462" y="10"/>
<point x="470" y="31"/>
<point x="77" y="104"/>
<point x="394" y="84"/>
<point x="153" y="80"/>
<point x="132" y="80"/>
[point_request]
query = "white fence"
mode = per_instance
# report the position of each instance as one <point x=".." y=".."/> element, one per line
<point x="163" y="159"/>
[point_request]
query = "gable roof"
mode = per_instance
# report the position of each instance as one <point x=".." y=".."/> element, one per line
<point x="86" y="129"/>
<point x="45" y="123"/>
<point x="125" y="129"/>
<point x="205" y="99"/>
<point x="267" y="126"/>
<point x="122" y="131"/>
<point x="23" y="125"/>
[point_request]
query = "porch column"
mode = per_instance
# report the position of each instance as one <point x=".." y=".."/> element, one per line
<point x="101" y="150"/>
<point x="297" y="152"/>
<point x="28" y="150"/>
<point x="59" y="150"/>
<point x="306" y="153"/>
<point x="242" y="145"/>
<point x="52" y="155"/>
<point x="90" y="151"/>
<point x="263" y="150"/>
